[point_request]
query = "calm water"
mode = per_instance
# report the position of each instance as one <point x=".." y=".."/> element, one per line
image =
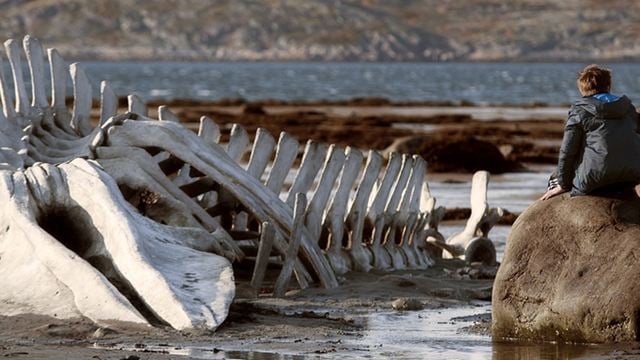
<point x="494" y="83"/>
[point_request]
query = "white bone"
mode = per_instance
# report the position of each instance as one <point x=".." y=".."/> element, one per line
<point x="136" y="105"/>
<point x="8" y="109"/>
<point x="264" y="205"/>
<point x="400" y="185"/>
<point x="238" y="142"/>
<point x="417" y="182"/>
<point x="82" y="100"/>
<point x="294" y="245"/>
<point x="356" y="217"/>
<point x="13" y="53"/>
<point x="286" y="152"/>
<point x="395" y="230"/>
<point x="478" y="225"/>
<point x="58" y="79"/>
<point x="164" y="114"/>
<point x="35" y="57"/>
<point x="384" y="190"/>
<point x="335" y="219"/>
<point x="330" y="171"/>
<point x="267" y="237"/>
<point x="209" y="130"/>
<point x="143" y="252"/>
<point x="381" y="257"/>
<point x="408" y="230"/>
<point x="479" y="206"/>
<point x="108" y="102"/>
<point x="312" y="160"/>
<point x="261" y="153"/>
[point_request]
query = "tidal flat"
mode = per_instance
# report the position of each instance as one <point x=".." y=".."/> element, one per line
<point x="356" y="320"/>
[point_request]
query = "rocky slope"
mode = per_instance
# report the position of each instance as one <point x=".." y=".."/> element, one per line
<point x="342" y="30"/>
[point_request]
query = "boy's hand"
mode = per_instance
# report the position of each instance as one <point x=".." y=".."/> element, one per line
<point x="552" y="192"/>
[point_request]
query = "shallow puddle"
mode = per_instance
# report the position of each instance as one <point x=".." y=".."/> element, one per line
<point x="427" y="334"/>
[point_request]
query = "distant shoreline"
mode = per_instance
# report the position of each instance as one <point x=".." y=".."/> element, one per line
<point x="354" y="101"/>
<point x="203" y="59"/>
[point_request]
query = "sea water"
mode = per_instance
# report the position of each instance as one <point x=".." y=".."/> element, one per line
<point x="480" y="83"/>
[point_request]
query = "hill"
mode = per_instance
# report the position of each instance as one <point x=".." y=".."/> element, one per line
<point x="340" y="30"/>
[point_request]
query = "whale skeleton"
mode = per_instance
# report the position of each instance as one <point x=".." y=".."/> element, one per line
<point x="131" y="218"/>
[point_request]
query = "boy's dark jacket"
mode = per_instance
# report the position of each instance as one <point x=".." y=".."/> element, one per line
<point x="609" y="134"/>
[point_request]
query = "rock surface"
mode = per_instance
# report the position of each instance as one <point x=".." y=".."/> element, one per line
<point x="571" y="272"/>
<point x="456" y="153"/>
<point x="407" y="304"/>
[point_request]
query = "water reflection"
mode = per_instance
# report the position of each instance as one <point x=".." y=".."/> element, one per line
<point x="251" y="355"/>
<point x="203" y="352"/>
<point x="428" y="334"/>
<point x="512" y="350"/>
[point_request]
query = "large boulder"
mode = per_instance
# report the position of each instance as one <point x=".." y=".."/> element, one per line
<point x="571" y="272"/>
<point x="455" y="153"/>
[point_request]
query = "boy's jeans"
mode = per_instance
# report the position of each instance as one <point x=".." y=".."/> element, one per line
<point x="608" y="190"/>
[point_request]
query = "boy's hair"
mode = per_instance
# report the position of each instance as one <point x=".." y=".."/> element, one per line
<point x="594" y="79"/>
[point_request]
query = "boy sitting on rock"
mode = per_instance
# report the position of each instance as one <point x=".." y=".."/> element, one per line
<point x="600" y="149"/>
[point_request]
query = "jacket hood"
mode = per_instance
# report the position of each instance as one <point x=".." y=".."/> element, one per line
<point x="613" y="109"/>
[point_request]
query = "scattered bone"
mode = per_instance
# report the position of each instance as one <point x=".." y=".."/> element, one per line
<point x="472" y="243"/>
